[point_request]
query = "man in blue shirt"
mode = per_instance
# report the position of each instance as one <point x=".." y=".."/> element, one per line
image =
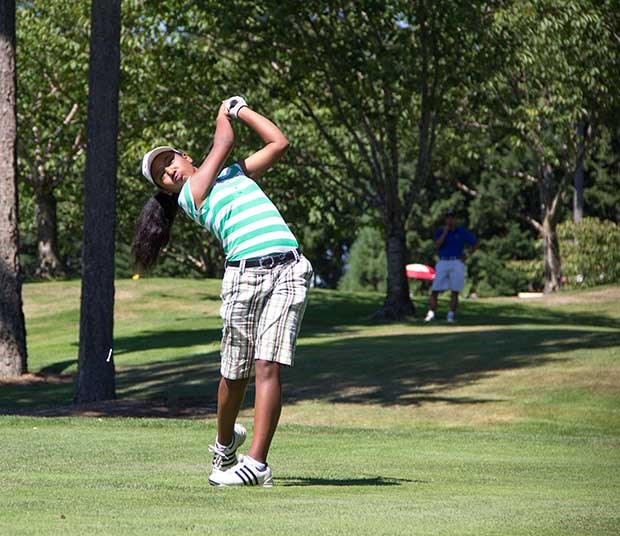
<point x="450" y="241"/>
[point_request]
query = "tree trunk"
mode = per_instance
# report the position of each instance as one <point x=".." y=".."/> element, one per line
<point x="550" y="195"/>
<point x="95" y="379"/>
<point x="551" y="254"/>
<point x="578" y="184"/>
<point x="397" y="303"/>
<point x="50" y="264"/>
<point x="12" y="326"/>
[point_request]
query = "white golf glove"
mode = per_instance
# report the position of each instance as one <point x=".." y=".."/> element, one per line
<point x="234" y="104"/>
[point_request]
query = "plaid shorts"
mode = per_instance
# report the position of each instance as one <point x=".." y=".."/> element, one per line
<point x="262" y="311"/>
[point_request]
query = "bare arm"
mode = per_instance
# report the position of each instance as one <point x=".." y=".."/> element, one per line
<point x="276" y="143"/>
<point x="223" y="141"/>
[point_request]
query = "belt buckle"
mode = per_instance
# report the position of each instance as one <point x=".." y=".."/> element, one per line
<point x="263" y="264"/>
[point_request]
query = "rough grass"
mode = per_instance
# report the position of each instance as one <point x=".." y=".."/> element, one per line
<point x="506" y="423"/>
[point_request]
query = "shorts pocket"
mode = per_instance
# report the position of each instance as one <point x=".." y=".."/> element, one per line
<point x="229" y="282"/>
<point x="305" y="269"/>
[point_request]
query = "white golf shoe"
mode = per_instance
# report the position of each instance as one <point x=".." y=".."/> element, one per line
<point x="429" y="316"/>
<point x="226" y="457"/>
<point x="245" y="473"/>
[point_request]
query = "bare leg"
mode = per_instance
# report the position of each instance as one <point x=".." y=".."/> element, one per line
<point x="267" y="407"/>
<point x="454" y="301"/>
<point x="230" y="396"/>
<point x="432" y="302"/>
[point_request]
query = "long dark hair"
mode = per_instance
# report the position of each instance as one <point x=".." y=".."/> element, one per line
<point x="153" y="230"/>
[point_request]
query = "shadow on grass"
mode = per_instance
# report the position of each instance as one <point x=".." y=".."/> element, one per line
<point x="333" y="312"/>
<point x="411" y="369"/>
<point x="369" y="481"/>
<point x="154" y="340"/>
<point x="476" y="313"/>
<point x="416" y="368"/>
<point x="419" y="369"/>
<point x="57" y="368"/>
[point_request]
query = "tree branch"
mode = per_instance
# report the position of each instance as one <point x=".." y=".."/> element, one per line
<point x="370" y="199"/>
<point x="534" y="223"/>
<point x="77" y="148"/>
<point x="337" y="99"/>
<point x="525" y="176"/>
<point x="466" y="189"/>
<point x="351" y="169"/>
<point x="67" y="120"/>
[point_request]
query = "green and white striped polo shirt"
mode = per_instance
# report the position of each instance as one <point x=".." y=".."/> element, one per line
<point x="241" y="216"/>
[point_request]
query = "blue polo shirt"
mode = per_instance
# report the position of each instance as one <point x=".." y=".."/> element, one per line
<point x="455" y="241"/>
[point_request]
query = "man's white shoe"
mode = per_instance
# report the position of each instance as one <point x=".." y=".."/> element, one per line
<point x="245" y="473"/>
<point x="226" y="457"/>
<point x="429" y="316"/>
<point x="450" y="317"/>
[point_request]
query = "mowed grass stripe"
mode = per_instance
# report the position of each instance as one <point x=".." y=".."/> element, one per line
<point x="105" y="474"/>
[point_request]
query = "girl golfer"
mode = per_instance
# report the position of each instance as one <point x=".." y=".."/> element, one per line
<point x="265" y="286"/>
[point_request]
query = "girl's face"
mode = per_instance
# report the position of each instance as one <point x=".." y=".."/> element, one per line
<point x="170" y="170"/>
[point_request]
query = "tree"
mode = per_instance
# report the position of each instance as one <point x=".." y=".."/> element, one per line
<point x="51" y="113"/>
<point x="554" y="82"/>
<point x="95" y="379"/>
<point x="367" y="264"/>
<point x="53" y="59"/>
<point x="159" y="43"/>
<point x="602" y="196"/>
<point x="12" y="328"/>
<point x="375" y="80"/>
<point x="579" y="174"/>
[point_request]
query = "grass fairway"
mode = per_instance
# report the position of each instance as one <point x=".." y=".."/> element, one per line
<point x="505" y="423"/>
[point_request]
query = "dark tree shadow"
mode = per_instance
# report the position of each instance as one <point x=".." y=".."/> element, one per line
<point x="335" y="312"/>
<point x="154" y="340"/>
<point x="57" y="368"/>
<point x="420" y="367"/>
<point x="406" y="370"/>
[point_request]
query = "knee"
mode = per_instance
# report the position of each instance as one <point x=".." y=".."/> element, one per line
<point x="235" y="385"/>
<point x="266" y="370"/>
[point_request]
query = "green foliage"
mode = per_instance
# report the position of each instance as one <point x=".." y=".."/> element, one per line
<point x="341" y="80"/>
<point x="560" y="70"/>
<point x="367" y="266"/>
<point x="602" y="194"/>
<point x="498" y="277"/>
<point x="533" y="270"/>
<point x="495" y="269"/>
<point x="325" y="244"/>
<point x="52" y="74"/>
<point x="590" y="252"/>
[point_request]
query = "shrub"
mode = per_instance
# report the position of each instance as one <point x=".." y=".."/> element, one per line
<point x="367" y="263"/>
<point x="497" y="276"/>
<point x="590" y="252"/>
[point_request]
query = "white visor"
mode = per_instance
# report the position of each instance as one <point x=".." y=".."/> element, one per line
<point x="147" y="160"/>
